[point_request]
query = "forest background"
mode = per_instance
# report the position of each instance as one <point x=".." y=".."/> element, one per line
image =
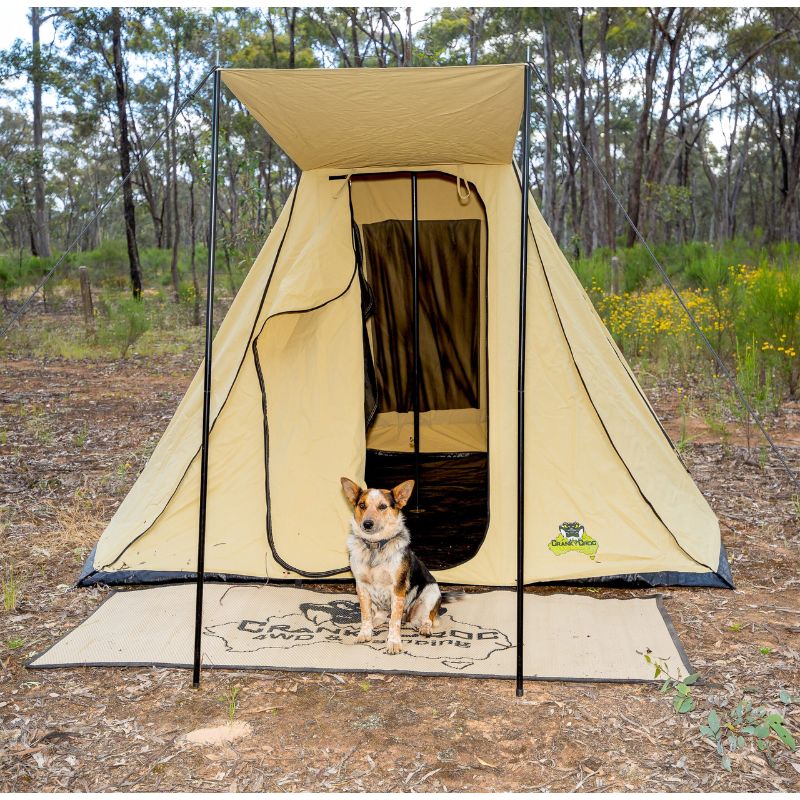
<point x="692" y="113"/>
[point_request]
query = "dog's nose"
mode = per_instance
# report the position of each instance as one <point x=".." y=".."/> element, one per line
<point x="367" y="524"/>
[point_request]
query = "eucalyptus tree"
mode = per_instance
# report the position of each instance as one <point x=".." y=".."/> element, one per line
<point x="97" y="43"/>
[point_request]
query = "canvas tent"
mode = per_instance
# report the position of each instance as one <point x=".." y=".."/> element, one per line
<point x="314" y="364"/>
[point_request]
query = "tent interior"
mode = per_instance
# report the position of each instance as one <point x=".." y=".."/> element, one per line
<point x="448" y="513"/>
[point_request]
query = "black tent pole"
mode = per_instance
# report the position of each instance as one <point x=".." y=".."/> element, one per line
<point x="415" y="248"/>
<point x="212" y="240"/>
<point x="523" y="288"/>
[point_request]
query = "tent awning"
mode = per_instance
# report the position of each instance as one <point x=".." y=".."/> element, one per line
<point x="350" y="118"/>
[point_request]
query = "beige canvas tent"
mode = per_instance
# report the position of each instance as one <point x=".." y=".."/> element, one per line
<point x="314" y="364"/>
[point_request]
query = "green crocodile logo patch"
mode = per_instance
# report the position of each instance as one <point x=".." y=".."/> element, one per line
<point x="572" y="537"/>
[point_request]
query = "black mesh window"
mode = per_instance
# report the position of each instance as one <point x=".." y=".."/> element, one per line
<point x="449" y="296"/>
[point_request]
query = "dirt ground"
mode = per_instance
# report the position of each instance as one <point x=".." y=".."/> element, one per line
<point x="73" y="436"/>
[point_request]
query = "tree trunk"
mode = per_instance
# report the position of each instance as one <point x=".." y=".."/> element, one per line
<point x="146" y="183"/>
<point x="41" y="243"/>
<point x="549" y="177"/>
<point x="192" y="255"/>
<point x="655" y="168"/>
<point x="408" y="57"/>
<point x="357" y="59"/>
<point x="129" y="210"/>
<point x="610" y="219"/>
<point x="473" y="35"/>
<point x="642" y="130"/>
<point x="583" y="225"/>
<point x="176" y="230"/>
<point x="291" y="19"/>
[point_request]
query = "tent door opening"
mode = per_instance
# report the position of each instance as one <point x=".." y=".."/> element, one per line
<point x="426" y="335"/>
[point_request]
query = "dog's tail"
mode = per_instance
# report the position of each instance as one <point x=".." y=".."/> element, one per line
<point x="453" y="597"/>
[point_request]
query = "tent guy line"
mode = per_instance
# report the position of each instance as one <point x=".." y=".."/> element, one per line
<point x="665" y="277"/>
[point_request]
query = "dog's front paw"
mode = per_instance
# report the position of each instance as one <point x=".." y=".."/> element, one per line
<point x="364" y="635"/>
<point x="393" y="647"/>
<point x="426" y="629"/>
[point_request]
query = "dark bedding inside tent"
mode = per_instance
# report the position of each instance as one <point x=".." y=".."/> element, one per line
<point x="453" y="503"/>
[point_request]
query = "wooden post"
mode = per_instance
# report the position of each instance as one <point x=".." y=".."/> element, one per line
<point x="616" y="275"/>
<point x="86" y="296"/>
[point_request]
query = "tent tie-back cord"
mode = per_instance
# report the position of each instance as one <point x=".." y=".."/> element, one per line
<point x="24" y="307"/>
<point x="345" y="183"/>
<point x="717" y="358"/>
<point x="463" y="197"/>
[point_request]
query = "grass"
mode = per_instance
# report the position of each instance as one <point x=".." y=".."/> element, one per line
<point x="231" y="700"/>
<point x="82" y="436"/>
<point x="689" y="262"/>
<point x="78" y="525"/>
<point x="748" y="309"/>
<point x="10" y="588"/>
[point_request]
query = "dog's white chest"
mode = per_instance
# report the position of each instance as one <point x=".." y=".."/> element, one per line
<point x="381" y="596"/>
<point x="377" y="579"/>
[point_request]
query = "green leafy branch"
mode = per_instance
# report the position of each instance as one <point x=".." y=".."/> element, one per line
<point x="683" y="701"/>
<point x="734" y="730"/>
<point x="747" y="722"/>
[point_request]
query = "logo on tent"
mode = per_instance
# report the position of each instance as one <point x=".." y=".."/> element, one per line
<point x="454" y="644"/>
<point x="572" y="537"/>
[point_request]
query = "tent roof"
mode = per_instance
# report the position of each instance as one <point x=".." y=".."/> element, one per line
<point x="350" y="118"/>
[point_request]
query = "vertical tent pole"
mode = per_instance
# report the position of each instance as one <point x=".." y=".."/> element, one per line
<point x="212" y="239"/>
<point x="415" y="248"/>
<point x="523" y="285"/>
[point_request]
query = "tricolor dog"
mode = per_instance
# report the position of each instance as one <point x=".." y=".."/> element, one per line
<point x="390" y="580"/>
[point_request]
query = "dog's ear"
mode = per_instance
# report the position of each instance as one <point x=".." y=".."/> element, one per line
<point x="402" y="492"/>
<point x="351" y="489"/>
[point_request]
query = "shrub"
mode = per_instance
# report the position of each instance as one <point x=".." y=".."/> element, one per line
<point x="125" y="323"/>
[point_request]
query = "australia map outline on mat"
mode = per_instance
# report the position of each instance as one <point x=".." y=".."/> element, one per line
<point x="568" y="636"/>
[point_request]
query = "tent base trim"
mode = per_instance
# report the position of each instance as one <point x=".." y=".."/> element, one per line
<point x="721" y="579"/>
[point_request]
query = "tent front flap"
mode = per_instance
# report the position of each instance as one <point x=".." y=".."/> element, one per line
<point x="350" y="118"/>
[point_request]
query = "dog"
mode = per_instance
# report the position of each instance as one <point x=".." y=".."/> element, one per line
<point x="389" y="576"/>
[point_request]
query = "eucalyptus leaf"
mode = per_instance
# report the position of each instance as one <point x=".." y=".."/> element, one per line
<point x="713" y="720"/>
<point x="783" y="734"/>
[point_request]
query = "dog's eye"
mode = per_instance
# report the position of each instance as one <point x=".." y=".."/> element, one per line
<point x="382" y="507"/>
<point x="362" y="506"/>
